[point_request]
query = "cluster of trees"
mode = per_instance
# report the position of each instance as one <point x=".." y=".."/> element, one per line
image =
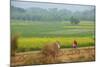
<point x="51" y="14"/>
<point x="74" y="20"/>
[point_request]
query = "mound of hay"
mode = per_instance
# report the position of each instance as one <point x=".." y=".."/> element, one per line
<point x="50" y="51"/>
<point x="14" y="44"/>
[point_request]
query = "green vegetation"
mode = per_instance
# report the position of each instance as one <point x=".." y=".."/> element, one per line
<point x="34" y="35"/>
<point x="53" y="14"/>
<point x="40" y="23"/>
<point x="74" y="20"/>
<point x="36" y="43"/>
<point x="52" y="29"/>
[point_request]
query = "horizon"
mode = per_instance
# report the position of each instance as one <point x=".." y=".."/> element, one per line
<point x="45" y="5"/>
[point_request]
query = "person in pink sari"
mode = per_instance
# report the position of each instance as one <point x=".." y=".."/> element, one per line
<point x="74" y="45"/>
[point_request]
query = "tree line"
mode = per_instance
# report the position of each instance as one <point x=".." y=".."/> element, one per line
<point x="51" y="14"/>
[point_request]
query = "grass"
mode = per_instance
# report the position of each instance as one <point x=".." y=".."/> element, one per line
<point x="29" y="44"/>
<point x="52" y="29"/>
<point x="35" y="34"/>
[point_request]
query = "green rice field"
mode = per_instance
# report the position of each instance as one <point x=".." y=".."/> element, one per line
<point x="33" y="35"/>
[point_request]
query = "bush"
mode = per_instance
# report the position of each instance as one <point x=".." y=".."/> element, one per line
<point x="74" y="20"/>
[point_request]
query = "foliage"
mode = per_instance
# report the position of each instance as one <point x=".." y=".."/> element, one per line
<point x="34" y="35"/>
<point x="74" y="20"/>
<point x="50" y="14"/>
<point x="37" y="43"/>
<point x="52" y="29"/>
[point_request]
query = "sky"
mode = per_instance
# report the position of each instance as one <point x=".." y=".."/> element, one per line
<point x="30" y="4"/>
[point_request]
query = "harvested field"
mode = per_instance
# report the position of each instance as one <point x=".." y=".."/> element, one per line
<point x="64" y="56"/>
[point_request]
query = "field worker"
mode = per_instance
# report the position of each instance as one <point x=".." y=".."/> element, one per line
<point x="74" y="45"/>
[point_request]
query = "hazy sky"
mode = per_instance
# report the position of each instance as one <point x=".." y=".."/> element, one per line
<point x="50" y="5"/>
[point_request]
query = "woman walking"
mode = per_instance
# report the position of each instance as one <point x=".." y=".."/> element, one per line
<point x="74" y="45"/>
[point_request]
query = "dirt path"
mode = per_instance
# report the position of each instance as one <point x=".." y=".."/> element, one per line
<point x="65" y="55"/>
